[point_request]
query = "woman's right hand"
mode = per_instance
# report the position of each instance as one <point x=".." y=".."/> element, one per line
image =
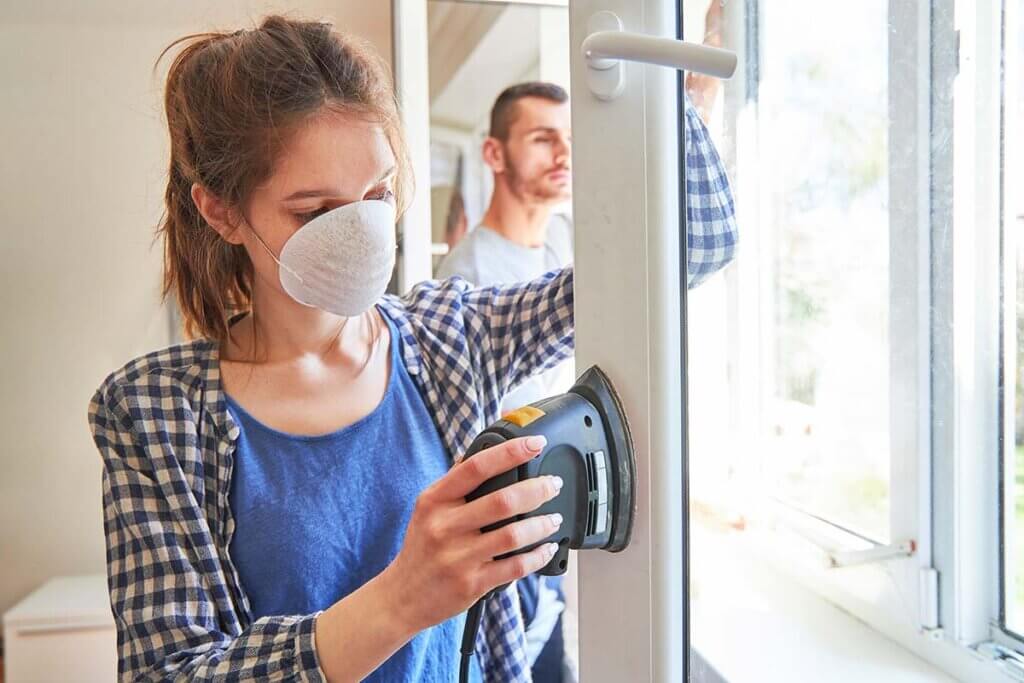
<point x="446" y="562"/>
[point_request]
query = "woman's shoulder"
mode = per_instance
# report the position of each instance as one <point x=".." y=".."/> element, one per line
<point x="442" y="304"/>
<point x="437" y="327"/>
<point x="429" y="301"/>
<point x="146" y="416"/>
<point x="159" y="374"/>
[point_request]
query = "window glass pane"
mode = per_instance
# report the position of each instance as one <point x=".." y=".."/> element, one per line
<point x="824" y="185"/>
<point x="790" y="379"/>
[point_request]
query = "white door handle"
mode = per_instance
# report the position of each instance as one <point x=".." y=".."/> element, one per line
<point x="604" y="48"/>
<point x="607" y="45"/>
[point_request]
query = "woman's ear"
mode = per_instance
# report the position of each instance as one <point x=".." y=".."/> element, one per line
<point x="216" y="214"/>
<point x="493" y="153"/>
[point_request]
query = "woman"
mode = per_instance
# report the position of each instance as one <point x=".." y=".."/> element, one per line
<point x="279" y="496"/>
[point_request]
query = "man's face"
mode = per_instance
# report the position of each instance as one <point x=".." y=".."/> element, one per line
<point x="537" y="153"/>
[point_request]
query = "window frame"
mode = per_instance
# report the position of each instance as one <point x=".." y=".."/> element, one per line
<point x="629" y="304"/>
<point x="1010" y="92"/>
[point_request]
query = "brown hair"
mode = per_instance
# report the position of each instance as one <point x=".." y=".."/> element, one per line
<point x="231" y="101"/>
<point x="502" y="113"/>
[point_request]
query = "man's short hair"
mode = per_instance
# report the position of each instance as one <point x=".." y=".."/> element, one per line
<point x="503" y="111"/>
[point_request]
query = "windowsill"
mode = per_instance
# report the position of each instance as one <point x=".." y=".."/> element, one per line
<point x="750" y="622"/>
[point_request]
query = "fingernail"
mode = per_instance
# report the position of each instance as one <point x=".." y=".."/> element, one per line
<point x="556" y="520"/>
<point x="536" y="443"/>
<point x="557" y="481"/>
<point x="550" y="549"/>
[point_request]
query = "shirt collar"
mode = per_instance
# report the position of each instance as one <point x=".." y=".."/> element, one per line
<point x="213" y="391"/>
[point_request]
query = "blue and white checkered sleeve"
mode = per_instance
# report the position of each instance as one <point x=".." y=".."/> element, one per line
<point x="519" y="330"/>
<point x="712" y="234"/>
<point x="166" y="613"/>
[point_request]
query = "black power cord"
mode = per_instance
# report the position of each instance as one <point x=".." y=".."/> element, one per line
<point x="469" y="638"/>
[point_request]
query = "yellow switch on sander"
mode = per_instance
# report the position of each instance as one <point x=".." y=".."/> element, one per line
<point x="522" y="417"/>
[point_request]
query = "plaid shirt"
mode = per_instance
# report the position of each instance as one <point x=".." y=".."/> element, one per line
<point x="167" y="443"/>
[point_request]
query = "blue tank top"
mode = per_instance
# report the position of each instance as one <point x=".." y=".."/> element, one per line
<point x="316" y="517"/>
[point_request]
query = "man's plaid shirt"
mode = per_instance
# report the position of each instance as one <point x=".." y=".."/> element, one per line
<point x="167" y="443"/>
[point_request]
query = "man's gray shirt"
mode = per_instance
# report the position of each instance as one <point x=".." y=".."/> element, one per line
<point x="484" y="258"/>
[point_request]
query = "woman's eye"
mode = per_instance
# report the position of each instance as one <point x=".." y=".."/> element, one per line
<point x="386" y="195"/>
<point x="307" y="217"/>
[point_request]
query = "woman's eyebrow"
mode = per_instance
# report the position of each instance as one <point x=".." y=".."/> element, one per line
<point x="328" y="192"/>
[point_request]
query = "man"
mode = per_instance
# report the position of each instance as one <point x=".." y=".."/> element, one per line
<point x="517" y="240"/>
<point x="529" y="152"/>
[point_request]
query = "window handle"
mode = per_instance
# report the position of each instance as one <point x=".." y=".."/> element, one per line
<point x="879" y="553"/>
<point x="829" y="540"/>
<point x="607" y="46"/>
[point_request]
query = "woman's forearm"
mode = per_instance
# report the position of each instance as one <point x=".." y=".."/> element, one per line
<point x="359" y="632"/>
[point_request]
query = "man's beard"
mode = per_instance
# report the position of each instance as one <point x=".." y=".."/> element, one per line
<point x="533" y="189"/>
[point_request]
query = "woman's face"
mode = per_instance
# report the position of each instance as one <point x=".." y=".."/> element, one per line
<point x="333" y="160"/>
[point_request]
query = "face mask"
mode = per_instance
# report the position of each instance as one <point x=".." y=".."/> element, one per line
<point x="341" y="261"/>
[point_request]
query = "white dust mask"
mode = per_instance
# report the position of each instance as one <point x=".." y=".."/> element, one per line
<point x="341" y="261"/>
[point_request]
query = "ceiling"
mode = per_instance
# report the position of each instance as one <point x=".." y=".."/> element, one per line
<point x="476" y="50"/>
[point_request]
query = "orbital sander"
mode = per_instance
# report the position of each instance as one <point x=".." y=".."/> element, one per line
<point x="590" y="447"/>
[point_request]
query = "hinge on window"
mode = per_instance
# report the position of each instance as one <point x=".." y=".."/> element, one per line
<point x="929" y="598"/>
<point x="929" y="601"/>
<point x="1008" y="660"/>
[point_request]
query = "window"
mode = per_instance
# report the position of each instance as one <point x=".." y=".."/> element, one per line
<point x="843" y="374"/>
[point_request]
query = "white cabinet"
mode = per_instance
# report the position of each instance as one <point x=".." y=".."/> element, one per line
<point x="62" y="632"/>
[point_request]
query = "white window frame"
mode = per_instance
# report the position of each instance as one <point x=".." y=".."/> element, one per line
<point x="1007" y="647"/>
<point x="967" y="453"/>
<point x="626" y="189"/>
<point x="1012" y="140"/>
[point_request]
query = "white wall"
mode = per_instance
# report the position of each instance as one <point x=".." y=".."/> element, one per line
<point x="82" y="173"/>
